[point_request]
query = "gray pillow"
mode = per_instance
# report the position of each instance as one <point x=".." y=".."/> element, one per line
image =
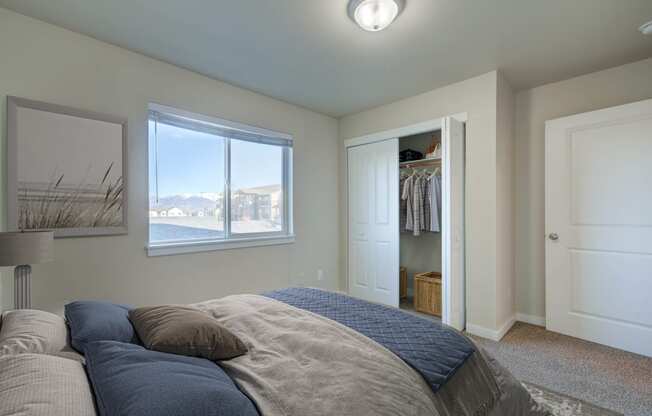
<point x="43" y="385"/>
<point x="184" y="330"/>
<point x="32" y="331"/>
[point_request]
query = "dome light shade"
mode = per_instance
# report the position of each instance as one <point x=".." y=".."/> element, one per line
<point x="374" y="15"/>
<point x="646" y="29"/>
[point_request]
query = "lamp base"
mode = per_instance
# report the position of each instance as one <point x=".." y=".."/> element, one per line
<point x="23" y="287"/>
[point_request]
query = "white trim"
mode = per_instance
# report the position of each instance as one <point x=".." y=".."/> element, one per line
<point x="494" y="335"/>
<point x="394" y="133"/>
<point x="452" y="232"/>
<point x="285" y="236"/>
<point x="155" y="250"/>
<point x="531" y="319"/>
<point x="417" y="128"/>
<point x="480" y="331"/>
<point x="423" y="127"/>
<point x="219" y="121"/>
<point x="227" y="189"/>
<point x="463" y="117"/>
<point x="446" y="237"/>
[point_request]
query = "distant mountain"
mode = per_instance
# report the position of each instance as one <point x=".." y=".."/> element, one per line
<point x="185" y="203"/>
<point x="203" y="201"/>
<point x="213" y="196"/>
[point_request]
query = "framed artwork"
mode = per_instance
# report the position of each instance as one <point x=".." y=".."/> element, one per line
<point x="66" y="170"/>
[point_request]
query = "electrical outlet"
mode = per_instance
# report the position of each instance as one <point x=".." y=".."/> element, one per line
<point x="320" y="275"/>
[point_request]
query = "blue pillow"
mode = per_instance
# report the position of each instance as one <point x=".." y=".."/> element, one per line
<point x="129" y="380"/>
<point x="91" y="320"/>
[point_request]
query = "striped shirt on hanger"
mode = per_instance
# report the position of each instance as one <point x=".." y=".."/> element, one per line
<point x="403" y="206"/>
<point x="406" y="195"/>
<point x="417" y="205"/>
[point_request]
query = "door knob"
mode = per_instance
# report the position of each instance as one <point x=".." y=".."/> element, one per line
<point x="553" y="236"/>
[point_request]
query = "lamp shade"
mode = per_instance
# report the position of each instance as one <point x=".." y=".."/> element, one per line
<point x="30" y="247"/>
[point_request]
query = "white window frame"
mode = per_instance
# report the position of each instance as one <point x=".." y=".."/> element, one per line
<point x="230" y="241"/>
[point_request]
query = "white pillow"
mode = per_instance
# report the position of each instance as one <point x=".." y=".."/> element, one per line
<point x="32" y="331"/>
<point x="44" y="385"/>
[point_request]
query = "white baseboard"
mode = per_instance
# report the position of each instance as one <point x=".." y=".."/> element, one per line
<point x="531" y="319"/>
<point x="494" y="335"/>
<point x="497" y="335"/>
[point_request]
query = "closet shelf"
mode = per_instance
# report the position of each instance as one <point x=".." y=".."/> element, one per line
<point x="421" y="162"/>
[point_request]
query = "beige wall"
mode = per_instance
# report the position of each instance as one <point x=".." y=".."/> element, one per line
<point x="505" y="273"/>
<point x="46" y="63"/>
<point x="616" y="86"/>
<point x="478" y="98"/>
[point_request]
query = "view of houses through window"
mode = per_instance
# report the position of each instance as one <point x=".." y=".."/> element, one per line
<point x="188" y="184"/>
<point x="256" y="187"/>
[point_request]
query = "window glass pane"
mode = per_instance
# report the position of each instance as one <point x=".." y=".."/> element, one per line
<point x="186" y="194"/>
<point x="256" y="188"/>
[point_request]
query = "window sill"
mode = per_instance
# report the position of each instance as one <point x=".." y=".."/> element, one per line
<point x="186" y="247"/>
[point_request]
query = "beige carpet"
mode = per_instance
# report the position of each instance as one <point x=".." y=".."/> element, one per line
<point x="604" y="376"/>
<point x="561" y="405"/>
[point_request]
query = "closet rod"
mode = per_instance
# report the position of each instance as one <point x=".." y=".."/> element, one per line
<point x="420" y="162"/>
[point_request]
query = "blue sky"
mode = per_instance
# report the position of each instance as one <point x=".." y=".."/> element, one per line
<point x="193" y="162"/>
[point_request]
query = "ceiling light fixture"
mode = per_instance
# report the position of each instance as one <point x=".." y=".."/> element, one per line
<point x="374" y="15"/>
<point x="646" y="29"/>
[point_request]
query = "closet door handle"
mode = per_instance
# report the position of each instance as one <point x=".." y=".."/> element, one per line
<point x="553" y="236"/>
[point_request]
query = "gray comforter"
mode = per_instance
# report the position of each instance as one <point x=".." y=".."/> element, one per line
<point x="300" y="363"/>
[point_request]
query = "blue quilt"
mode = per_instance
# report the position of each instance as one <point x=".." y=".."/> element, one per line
<point x="434" y="350"/>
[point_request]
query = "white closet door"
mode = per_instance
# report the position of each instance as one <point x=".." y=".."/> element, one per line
<point x="373" y="258"/>
<point x="599" y="225"/>
<point x="453" y="257"/>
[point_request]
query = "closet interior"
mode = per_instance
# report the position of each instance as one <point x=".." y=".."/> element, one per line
<point x="420" y="168"/>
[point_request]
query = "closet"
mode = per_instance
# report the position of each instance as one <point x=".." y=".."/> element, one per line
<point x="420" y="193"/>
<point x="411" y="261"/>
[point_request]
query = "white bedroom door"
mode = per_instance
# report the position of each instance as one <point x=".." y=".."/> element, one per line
<point x="373" y="250"/>
<point x="599" y="226"/>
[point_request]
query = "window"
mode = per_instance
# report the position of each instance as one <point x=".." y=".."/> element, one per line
<point x="216" y="184"/>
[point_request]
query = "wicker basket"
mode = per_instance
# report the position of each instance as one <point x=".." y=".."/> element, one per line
<point x="403" y="279"/>
<point x="427" y="293"/>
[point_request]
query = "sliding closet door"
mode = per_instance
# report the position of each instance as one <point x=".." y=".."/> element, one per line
<point x="453" y="223"/>
<point x="373" y="250"/>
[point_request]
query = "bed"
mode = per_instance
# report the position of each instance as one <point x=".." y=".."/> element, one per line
<point x="309" y="352"/>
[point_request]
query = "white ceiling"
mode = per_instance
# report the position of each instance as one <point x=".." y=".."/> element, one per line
<point x="309" y="53"/>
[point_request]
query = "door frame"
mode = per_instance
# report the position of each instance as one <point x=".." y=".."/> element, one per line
<point x="449" y="302"/>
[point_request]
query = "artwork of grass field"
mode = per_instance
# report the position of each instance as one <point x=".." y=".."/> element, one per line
<point x="84" y="205"/>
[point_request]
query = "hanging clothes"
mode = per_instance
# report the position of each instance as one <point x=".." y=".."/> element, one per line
<point x="427" y="203"/>
<point x="418" y="205"/>
<point x="406" y="195"/>
<point x="403" y="206"/>
<point x="435" y="203"/>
